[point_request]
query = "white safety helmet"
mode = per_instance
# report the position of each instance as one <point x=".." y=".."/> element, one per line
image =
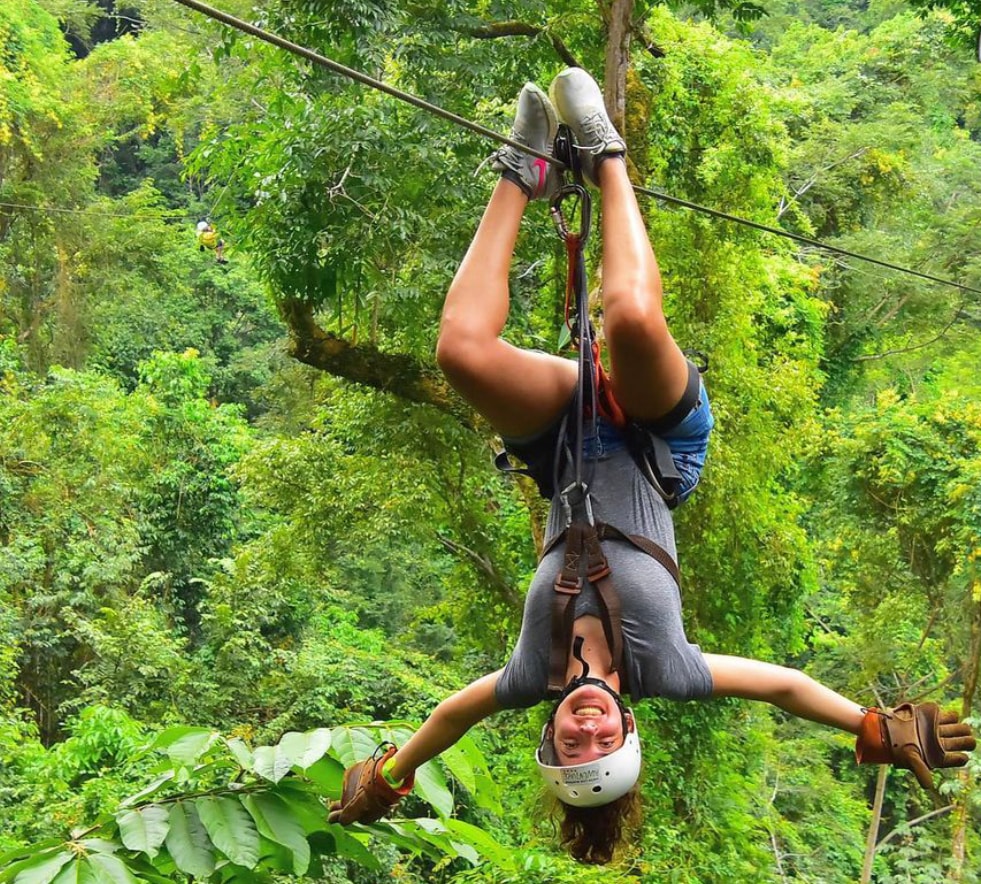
<point x="203" y="226"/>
<point x="595" y="782"/>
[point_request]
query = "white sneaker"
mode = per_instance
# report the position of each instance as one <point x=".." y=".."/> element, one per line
<point x="535" y="124"/>
<point x="579" y="104"/>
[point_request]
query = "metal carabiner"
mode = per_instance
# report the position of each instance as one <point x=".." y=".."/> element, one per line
<point x="581" y="504"/>
<point x="583" y="205"/>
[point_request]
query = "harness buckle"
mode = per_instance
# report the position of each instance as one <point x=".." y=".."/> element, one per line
<point x="568" y="586"/>
<point x="598" y="573"/>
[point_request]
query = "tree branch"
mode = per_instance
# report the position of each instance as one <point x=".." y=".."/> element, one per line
<point x="497" y="30"/>
<point x="395" y="373"/>
<point x="920" y="819"/>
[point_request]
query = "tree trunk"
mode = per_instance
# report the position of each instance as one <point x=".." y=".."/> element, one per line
<point x="617" y="15"/>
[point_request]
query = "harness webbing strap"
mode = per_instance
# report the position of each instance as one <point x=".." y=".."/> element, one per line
<point x="583" y="540"/>
<point x="582" y="544"/>
<point x="644" y="544"/>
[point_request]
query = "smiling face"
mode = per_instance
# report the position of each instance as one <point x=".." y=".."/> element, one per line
<point x="587" y="725"/>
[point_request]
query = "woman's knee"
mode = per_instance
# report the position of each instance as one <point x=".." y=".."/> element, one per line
<point x="632" y="321"/>
<point x="460" y="353"/>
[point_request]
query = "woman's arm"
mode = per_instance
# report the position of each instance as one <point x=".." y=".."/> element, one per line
<point x="449" y="721"/>
<point x="789" y="689"/>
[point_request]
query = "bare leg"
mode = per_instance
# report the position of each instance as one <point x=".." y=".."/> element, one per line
<point x="649" y="370"/>
<point x="519" y="391"/>
<point x="790" y="689"/>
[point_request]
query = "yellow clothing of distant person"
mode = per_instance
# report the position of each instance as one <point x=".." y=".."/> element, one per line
<point x="208" y="239"/>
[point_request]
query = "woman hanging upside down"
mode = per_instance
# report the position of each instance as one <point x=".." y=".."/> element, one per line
<point x="589" y="754"/>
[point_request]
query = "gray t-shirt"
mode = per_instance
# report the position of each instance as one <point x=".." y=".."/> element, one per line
<point x="659" y="661"/>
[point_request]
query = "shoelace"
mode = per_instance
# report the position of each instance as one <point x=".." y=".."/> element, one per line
<point x="597" y="128"/>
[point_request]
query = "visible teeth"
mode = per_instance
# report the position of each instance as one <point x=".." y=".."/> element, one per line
<point x="588" y="710"/>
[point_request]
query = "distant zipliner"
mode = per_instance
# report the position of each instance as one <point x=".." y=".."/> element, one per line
<point x="209" y="239"/>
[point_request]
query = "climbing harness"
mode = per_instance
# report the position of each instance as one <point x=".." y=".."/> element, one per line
<point x="583" y="552"/>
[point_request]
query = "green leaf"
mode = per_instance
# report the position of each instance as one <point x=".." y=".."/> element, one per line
<point x="148" y="790"/>
<point x="273" y="819"/>
<point x="188" y="842"/>
<point x="27" y="852"/>
<point x="497" y="853"/>
<point x="436" y="834"/>
<point x="271" y="763"/>
<point x="328" y="775"/>
<point x="75" y="872"/>
<point x="352" y="744"/>
<point x="184" y="745"/>
<point x="231" y="829"/>
<point x="241" y="752"/>
<point x="431" y="785"/>
<point x="108" y="869"/>
<point x="144" y="829"/>
<point x="458" y="763"/>
<point x="305" y="806"/>
<point x="406" y="835"/>
<point x="43" y="869"/>
<point x="350" y="846"/>
<point x="307" y="748"/>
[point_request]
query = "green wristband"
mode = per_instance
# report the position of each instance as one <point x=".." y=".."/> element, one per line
<point x="387" y="773"/>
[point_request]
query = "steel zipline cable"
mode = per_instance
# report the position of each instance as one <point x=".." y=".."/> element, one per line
<point x="358" y="76"/>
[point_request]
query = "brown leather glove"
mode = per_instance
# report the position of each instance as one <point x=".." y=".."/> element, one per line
<point x="918" y="737"/>
<point x="366" y="795"/>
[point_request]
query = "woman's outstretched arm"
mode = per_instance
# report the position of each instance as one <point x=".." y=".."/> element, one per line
<point x="789" y="689"/>
<point x="449" y="721"/>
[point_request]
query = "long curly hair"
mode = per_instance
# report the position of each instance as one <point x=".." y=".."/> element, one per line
<point x="592" y="834"/>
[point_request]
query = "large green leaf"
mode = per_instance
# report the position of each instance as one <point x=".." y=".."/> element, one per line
<point x="307" y="748"/>
<point x="231" y="829"/>
<point x="458" y="763"/>
<point x="435" y="833"/>
<point x="352" y="744"/>
<point x="350" y="845"/>
<point x="431" y="785"/>
<point x="241" y="752"/>
<point x="328" y="775"/>
<point x="501" y="856"/>
<point x="108" y="869"/>
<point x="144" y="829"/>
<point x="184" y="745"/>
<point x="188" y="842"/>
<point x="75" y="872"/>
<point x="155" y="784"/>
<point x="42" y="869"/>
<point x="27" y="852"/>
<point x="271" y="763"/>
<point x="274" y="820"/>
<point x="306" y="807"/>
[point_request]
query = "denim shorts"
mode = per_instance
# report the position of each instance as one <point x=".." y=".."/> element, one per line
<point x="688" y="441"/>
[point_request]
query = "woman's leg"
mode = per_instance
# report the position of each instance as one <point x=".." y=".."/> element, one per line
<point x="649" y="371"/>
<point x="790" y="689"/>
<point x="519" y="391"/>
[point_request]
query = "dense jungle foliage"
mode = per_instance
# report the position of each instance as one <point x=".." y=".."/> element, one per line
<point x="242" y="518"/>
